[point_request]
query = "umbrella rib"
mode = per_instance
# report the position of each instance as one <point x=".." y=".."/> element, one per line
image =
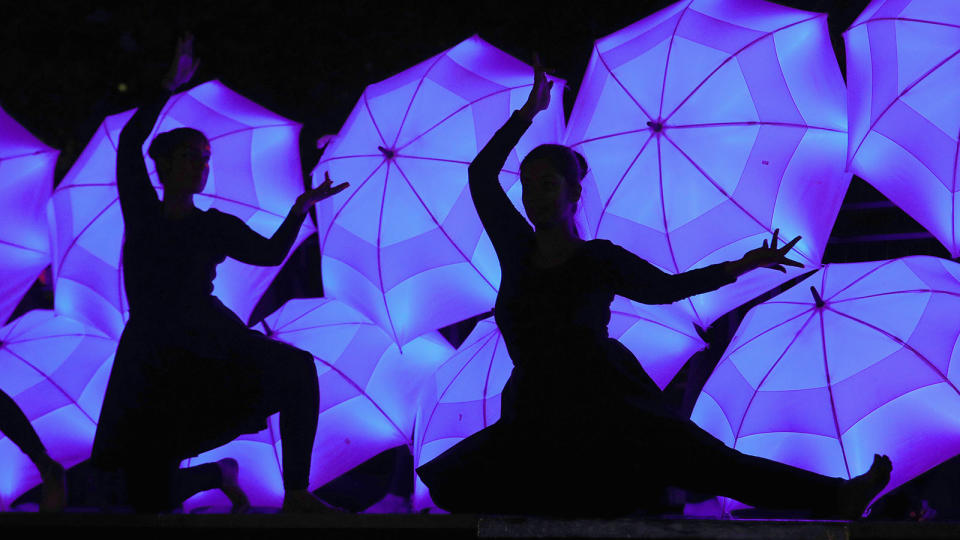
<point x="903" y="19"/>
<point x="457" y="161"/>
<point x="602" y="137"/>
<point x="416" y="91"/>
<point x="769" y="371"/>
<point x="73" y="186"/>
<point x="953" y="196"/>
<point x="366" y="105"/>
<point x="351" y="156"/>
<point x="298" y="317"/>
<point x="666" y="64"/>
<point x="663" y="211"/>
<point x="441" y="229"/>
<point x="55" y="385"/>
<point x="73" y="241"/>
<point x="5" y="242"/>
<point x="896" y="99"/>
<point x="326" y="234"/>
<point x="27" y="154"/>
<point x="603" y="211"/>
<point x="768" y="330"/>
<point x="756" y="123"/>
<point x="620" y="83"/>
<point x="734" y="55"/>
<point x="651" y="321"/>
<point x="364" y="394"/>
<point x="833" y="405"/>
<point x="240" y="203"/>
<point x="854" y="282"/>
<point x="251" y="128"/>
<point x="326" y="325"/>
<point x="908" y="291"/>
<point x="383" y="293"/>
<point x="902" y="343"/>
<point x="273" y="446"/>
<point x="451" y="115"/>
<point x="486" y="384"/>
<point x="55" y="336"/>
<point x="436" y="405"/>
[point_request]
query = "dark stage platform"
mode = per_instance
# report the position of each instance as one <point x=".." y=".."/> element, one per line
<point x="98" y="526"/>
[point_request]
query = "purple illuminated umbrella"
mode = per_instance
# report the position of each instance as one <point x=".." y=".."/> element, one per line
<point x="254" y="174"/>
<point x="904" y="73"/>
<point x="26" y="180"/>
<point x="403" y="244"/>
<point x="862" y="363"/>
<point x="368" y="389"/>
<point x="706" y="126"/>
<point x="56" y="370"/>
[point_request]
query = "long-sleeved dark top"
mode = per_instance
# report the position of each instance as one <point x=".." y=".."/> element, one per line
<point x="171" y="263"/>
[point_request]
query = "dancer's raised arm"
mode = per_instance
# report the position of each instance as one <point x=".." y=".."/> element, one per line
<point x="138" y="198"/>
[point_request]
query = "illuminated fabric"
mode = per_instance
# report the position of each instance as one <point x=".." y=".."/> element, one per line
<point x="56" y="370"/>
<point x="26" y="180"/>
<point x="903" y="70"/>
<point x="368" y="392"/>
<point x="872" y="371"/>
<point x="706" y="126"/>
<point x="403" y="244"/>
<point x="254" y="174"/>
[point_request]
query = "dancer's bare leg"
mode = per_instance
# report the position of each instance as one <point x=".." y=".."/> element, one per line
<point x="15" y="425"/>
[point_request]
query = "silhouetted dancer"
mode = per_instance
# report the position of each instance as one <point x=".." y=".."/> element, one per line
<point x="15" y="425"/>
<point x="189" y="375"/>
<point x="584" y="431"/>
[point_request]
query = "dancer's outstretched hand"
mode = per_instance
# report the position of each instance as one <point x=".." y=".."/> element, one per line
<point x="767" y="256"/>
<point x="539" y="98"/>
<point x="317" y="194"/>
<point x="184" y="64"/>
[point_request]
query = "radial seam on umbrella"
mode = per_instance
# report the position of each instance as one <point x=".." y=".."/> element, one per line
<point x="907" y="150"/>
<point x="56" y="336"/>
<point x="486" y="384"/>
<point x="620" y="84"/>
<point x="273" y="446"/>
<point x="416" y="91"/>
<point x="351" y="156"/>
<point x="458" y="161"/>
<point x="365" y="395"/>
<point x="252" y="128"/>
<point x="606" y="204"/>
<point x="477" y="100"/>
<point x="312" y="309"/>
<point x="896" y="99"/>
<point x="55" y="385"/>
<point x="73" y="186"/>
<point x="74" y="240"/>
<point x="651" y="321"/>
<point x="2" y="241"/>
<point x="903" y="344"/>
<point x="366" y="105"/>
<point x="756" y="390"/>
<point x="492" y="335"/>
<point x="731" y="57"/>
<point x="833" y="406"/>
<point x="755" y="123"/>
<point x="611" y="135"/>
<point x="28" y="154"/>
<point x="383" y="292"/>
<point x="240" y="203"/>
<point x="904" y="19"/>
<point x="326" y="325"/>
<point x="953" y="197"/>
<point x="663" y="210"/>
<point x="854" y="282"/>
<point x="666" y="63"/>
<point x="767" y="331"/>
<point x="350" y="198"/>
<point x="469" y="260"/>
<point x="906" y="291"/>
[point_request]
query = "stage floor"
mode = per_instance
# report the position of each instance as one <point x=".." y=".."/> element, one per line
<point x="99" y="526"/>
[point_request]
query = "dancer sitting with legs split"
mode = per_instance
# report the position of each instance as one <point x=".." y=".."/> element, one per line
<point x="584" y="431"/>
<point x="189" y="375"/>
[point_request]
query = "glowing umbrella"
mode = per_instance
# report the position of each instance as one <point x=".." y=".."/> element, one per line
<point x="26" y="180"/>
<point x="368" y="391"/>
<point x="404" y="244"/>
<point x="254" y="174"/>
<point x="706" y="126"/>
<point x="903" y="68"/>
<point x="56" y="369"/>
<point x="822" y="379"/>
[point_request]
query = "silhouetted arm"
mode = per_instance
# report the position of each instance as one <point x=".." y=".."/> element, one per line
<point x="507" y="229"/>
<point x="242" y="243"/>
<point x="138" y="198"/>
<point x="643" y="282"/>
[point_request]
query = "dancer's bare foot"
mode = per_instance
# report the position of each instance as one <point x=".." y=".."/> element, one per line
<point x="857" y="492"/>
<point x="53" y="491"/>
<point x="230" y="472"/>
<point x="301" y="501"/>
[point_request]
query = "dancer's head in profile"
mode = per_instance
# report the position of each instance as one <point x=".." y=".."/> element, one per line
<point x="550" y="176"/>
<point x="182" y="157"/>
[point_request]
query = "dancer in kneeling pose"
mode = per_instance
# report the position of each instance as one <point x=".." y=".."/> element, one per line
<point x="189" y="375"/>
<point x="584" y="430"/>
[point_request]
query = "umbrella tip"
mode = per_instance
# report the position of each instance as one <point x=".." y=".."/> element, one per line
<point x="817" y="298"/>
<point x="388" y="153"/>
<point x="657" y="127"/>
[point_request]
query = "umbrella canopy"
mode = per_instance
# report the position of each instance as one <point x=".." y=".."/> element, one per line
<point x="368" y="389"/>
<point x="404" y="244"/>
<point x="707" y="126"/>
<point x="254" y="174"/>
<point x="903" y="67"/>
<point x="56" y="370"/>
<point x="26" y="180"/>
<point x="855" y="360"/>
